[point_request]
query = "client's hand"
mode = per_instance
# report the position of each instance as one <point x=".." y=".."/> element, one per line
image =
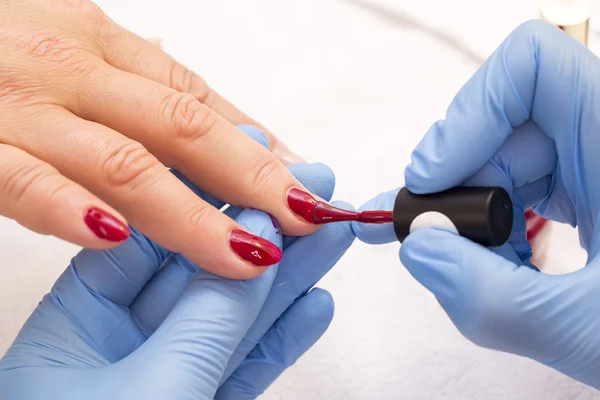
<point x="140" y="322"/>
<point x="91" y="118"/>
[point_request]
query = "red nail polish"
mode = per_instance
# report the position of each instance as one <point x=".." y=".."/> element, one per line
<point x="275" y="224"/>
<point x="302" y="204"/>
<point x="105" y="226"/>
<point x="318" y="212"/>
<point x="254" y="249"/>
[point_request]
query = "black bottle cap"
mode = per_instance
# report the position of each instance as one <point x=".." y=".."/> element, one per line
<point x="481" y="214"/>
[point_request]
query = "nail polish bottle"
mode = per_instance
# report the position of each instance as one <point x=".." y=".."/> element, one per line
<point x="572" y="16"/>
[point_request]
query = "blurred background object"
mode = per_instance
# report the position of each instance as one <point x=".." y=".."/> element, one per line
<point x="573" y="17"/>
<point x="377" y="74"/>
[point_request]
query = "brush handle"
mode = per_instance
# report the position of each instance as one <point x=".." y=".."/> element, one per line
<point x="481" y="214"/>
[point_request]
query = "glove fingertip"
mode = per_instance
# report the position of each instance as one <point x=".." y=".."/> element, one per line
<point x="344" y="204"/>
<point x="377" y="234"/>
<point x="255" y="134"/>
<point x="374" y="234"/>
<point x="260" y="223"/>
<point x="323" y="305"/>
<point x="317" y="177"/>
<point x="420" y="181"/>
<point x="309" y="317"/>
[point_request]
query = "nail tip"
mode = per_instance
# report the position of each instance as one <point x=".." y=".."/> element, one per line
<point x="105" y="226"/>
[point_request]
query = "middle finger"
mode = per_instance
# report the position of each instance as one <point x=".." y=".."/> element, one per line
<point x="185" y="134"/>
<point x="135" y="183"/>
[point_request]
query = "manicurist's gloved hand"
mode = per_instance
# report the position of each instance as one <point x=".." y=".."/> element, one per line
<point x="140" y="322"/>
<point x="527" y="121"/>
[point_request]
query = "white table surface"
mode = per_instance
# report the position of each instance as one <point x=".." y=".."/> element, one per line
<point x="315" y="71"/>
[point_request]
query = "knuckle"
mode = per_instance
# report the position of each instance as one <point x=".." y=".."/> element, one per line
<point x="21" y="178"/>
<point x="186" y="117"/>
<point x="49" y="48"/>
<point x="204" y="93"/>
<point x="198" y="216"/>
<point x="264" y="173"/>
<point x="185" y="80"/>
<point x="128" y="164"/>
<point x="10" y="86"/>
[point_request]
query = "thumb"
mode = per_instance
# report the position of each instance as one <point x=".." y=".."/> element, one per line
<point x="492" y="301"/>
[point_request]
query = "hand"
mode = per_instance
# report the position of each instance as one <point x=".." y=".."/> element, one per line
<point x="92" y="116"/>
<point x="140" y="322"/>
<point x="526" y="121"/>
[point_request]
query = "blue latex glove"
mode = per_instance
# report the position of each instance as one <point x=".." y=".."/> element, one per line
<point x="527" y="121"/>
<point x="138" y="322"/>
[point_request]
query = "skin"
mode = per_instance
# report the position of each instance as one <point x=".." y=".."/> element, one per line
<point x="92" y="115"/>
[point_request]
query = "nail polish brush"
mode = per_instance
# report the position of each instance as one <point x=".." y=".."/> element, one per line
<point x="481" y="214"/>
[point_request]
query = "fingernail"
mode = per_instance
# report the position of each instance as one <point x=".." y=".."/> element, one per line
<point x="105" y="226"/>
<point x="254" y="249"/>
<point x="302" y="204"/>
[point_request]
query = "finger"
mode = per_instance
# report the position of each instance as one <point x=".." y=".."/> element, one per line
<point x="306" y="261"/>
<point x="528" y="179"/>
<point x="131" y="53"/>
<point x="102" y="289"/>
<point x="38" y="197"/>
<point x="127" y="176"/>
<point x="524" y="165"/>
<point x="255" y="133"/>
<point x="506" y="307"/>
<point x="187" y="135"/>
<point x="377" y="234"/>
<point x="298" y="329"/>
<point x="205" y="326"/>
<point x="159" y="296"/>
<point x="99" y="288"/>
<point x="493" y="302"/>
<point x="252" y="132"/>
<point x="128" y="268"/>
<point x="528" y="77"/>
<point x="317" y="178"/>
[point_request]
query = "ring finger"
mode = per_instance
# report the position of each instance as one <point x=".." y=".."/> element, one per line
<point x="127" y="176"/>
<point x="38" y="197"/>
<point x="187" y="135"/>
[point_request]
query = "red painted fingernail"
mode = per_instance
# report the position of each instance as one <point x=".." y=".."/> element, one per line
<point x="254" y="249"/>
<point x="302" y="204"/>
<point x="105" y="226"/>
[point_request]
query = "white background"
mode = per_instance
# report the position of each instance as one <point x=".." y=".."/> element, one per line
<point x="376" y="75"/>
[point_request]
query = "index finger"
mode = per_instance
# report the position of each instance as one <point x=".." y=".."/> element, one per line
<point x="532" y="75"/>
